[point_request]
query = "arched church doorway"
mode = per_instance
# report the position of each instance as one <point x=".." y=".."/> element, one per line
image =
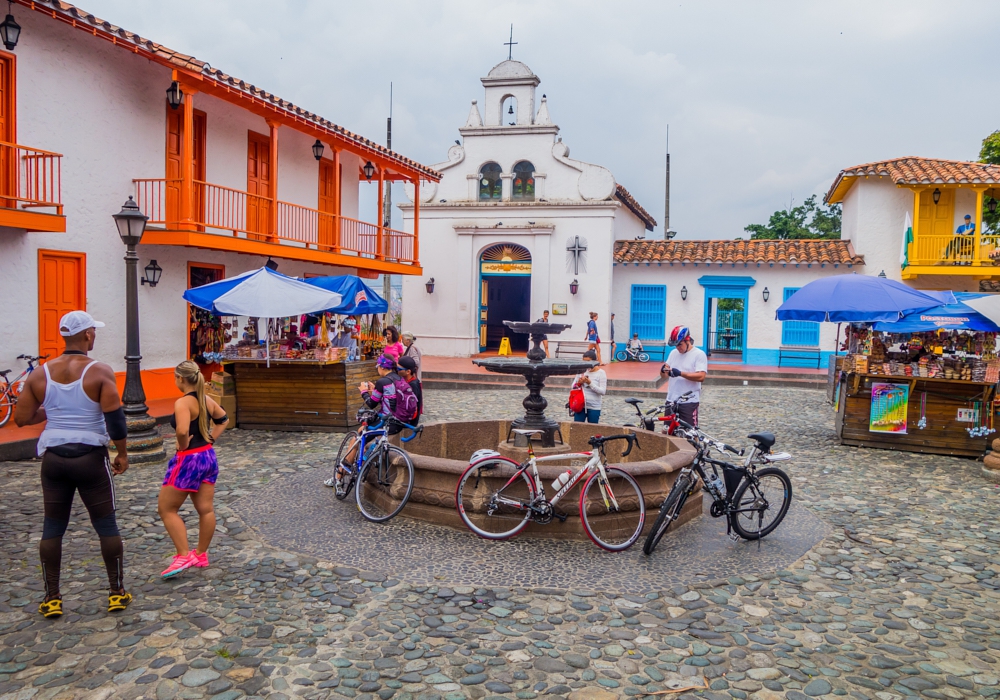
<point x="504" y="294"/>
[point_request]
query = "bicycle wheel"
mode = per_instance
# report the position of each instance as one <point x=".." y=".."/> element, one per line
<point x="491" y="502"/>
<point x="763" y="505"/>
<point x="385" y="483"/>
<point x="345" y="480"/>
<point x="613" y="511"/>
<point x="643" y="357"/>
<point x="671" y="508"/>
<point x="621" y="356"/>
<point x="7" y="403"/>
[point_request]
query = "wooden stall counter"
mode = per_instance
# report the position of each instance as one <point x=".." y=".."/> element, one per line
<point x="298" y="395"/>
<point x="943" y="434"/>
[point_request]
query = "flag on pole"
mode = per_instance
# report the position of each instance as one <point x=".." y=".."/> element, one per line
<point x="907" y="240"/>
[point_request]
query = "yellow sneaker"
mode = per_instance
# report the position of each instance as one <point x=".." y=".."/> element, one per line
<point x="118" y="601"/>
<point x="51" y="608"/>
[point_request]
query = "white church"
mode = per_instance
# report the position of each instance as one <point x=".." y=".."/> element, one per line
<point x="516" y="226"/>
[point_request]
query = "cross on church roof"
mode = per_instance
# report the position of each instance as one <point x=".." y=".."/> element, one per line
<point x="510" y="44"/>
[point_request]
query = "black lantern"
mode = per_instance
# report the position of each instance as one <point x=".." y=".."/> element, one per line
<point x="684" y="293"/>
<point x="766" y="294"/>
<point x="131" y="223"/>
<point x="153" y="272"/>
<point x="175" y="96"/>
<point x="429" y="285"/>
<point x="270" y="264"/>
<point x="369" y="170"/>
<point x="574" y="287"/>
<point x="318" y="149"/>
<point x="882" y="274"/>
<point x="992" y="205"/>
<point x="936" y="195"/>
<point x="10" y="31"/>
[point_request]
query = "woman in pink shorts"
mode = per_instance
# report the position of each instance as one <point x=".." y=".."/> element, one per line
<point x="192" y="471"/>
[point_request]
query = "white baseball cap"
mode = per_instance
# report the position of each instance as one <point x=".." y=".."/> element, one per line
<point x="76" y="322"/>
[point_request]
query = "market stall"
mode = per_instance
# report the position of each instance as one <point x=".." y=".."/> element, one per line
<point x="924" y="383"/>
<point x="303" y="350"/>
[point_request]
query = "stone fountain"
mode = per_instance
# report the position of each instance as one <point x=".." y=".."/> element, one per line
<point x="535" y="369"/>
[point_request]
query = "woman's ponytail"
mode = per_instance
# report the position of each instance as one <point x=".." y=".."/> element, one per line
<point x="191" y="374"/>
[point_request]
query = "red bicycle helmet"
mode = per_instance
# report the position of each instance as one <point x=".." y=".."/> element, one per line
<point x="678" y="335"/>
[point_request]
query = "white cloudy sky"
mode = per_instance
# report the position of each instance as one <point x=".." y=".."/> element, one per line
<point x="766" y="101"/>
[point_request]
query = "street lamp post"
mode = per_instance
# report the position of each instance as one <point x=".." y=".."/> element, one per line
<point x="144" y="442"/>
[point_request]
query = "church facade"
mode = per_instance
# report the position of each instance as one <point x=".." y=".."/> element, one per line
<point x="515" y="226"/>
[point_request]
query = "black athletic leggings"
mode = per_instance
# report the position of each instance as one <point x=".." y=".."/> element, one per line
<point x="91" y="475"/>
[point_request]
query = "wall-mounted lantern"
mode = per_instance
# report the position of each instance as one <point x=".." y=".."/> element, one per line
<point x="270" y="264"/>
<point x="369" y="170"/>
<point x="684" y="293"/>
<point x="936" y="195"/>
<point x="992" y="205"/>
<point x="429" y="285"/>
<point x="10" y="31"/>
<point x="882" y="274"/>
<point x="153" y="272"/>
<point x="175" y="96"/>
<point x="574" y="287"/>
<point x="318" y="150"/>
<point x="766" y="294"/>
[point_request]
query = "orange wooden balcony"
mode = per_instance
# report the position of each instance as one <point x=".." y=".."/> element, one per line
<point x="31" y="189"/>
<point x="234" y="220"/>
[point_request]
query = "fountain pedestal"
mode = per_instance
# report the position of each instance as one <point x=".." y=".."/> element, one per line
<point x="535" y="369"/>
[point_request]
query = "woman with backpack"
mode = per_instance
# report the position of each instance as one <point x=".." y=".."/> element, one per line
<point x="594" y="384"/>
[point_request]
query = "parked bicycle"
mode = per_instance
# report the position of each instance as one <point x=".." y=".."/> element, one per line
<point x="633" y="354"/>
<point x="10" y="389"/>
<point x="497" y="497"/>
<point x="754" y="501"/>
<point x="665" y="413"/>
<point x="385" y="477"/>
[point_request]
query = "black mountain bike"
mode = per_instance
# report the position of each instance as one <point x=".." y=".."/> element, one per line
<point x="754" y="501"/>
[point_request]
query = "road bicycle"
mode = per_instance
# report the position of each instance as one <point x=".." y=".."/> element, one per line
<point x="496" y="497"/>
<point x="385" y="477"/>
<point x="635" y="354"/>
<point x="747" y="495"/>
<point x="665" y="413"/>
<point x="10" y="389"/>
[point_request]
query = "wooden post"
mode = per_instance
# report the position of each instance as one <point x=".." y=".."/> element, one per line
<point x="977" y="252"/>
<point x="416" y="221"/>
<point x="337" y="224"/>
<point x="272" y="219"/>
<point x="380" y="236"/>
<point x="187" y="162"/>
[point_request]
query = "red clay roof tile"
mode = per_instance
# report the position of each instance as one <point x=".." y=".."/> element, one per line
<point x="920" y="171"/>
<point x="738" y="252"/>
<point x="629" y="201"/>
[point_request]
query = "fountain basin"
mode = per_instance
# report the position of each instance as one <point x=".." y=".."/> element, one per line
<point x="441" y="454"/>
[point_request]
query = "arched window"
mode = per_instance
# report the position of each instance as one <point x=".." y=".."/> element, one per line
<point x="490" y="185"/>
<point x="523" y="184"/>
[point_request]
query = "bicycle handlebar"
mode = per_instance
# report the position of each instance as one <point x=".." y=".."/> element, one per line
<point x="599" y="440"/>
<point x="29" y="358"/>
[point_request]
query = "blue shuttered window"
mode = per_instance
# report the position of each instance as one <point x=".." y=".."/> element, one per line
<point x="648" y="312"/>
<point x="801" y="333"/>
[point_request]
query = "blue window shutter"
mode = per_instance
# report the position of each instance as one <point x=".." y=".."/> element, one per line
<point x="648" y="311"/>
<point x="800" y="333"/>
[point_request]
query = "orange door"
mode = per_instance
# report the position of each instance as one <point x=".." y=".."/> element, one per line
<point x="326" y="204"/>
<point x="174" y="173"/>
<point x="62" y="288"/>
<point x="8" y="159"/>
<point x="258" y="184"/>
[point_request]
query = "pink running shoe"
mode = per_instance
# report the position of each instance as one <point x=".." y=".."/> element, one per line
<point x="200" y="560"/>
<point x="179" y="563"/>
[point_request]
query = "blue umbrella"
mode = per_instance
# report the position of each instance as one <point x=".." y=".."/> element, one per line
<point x="949" y="317"/>
<point x="356" y="296"/>
<point x="857" y="298"/>
<point x="264" y="293"/>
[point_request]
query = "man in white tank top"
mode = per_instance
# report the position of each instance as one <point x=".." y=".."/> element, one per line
<point x="78" y="400"/>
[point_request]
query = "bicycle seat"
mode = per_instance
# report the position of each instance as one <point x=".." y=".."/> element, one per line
<point x="634" y="402"/>
<point x="527" y="432"/>
<point x="765" y="440"/>
<point x="4" y="372"/>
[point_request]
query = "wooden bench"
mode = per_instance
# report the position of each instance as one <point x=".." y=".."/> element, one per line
<point x="657" y="351"/>
<point x="800" y="354"/>
<point x="572" y="348"/>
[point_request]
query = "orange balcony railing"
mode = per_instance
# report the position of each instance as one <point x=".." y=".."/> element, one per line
<point x="226" y="211"/>
<point x="30" y="178"/>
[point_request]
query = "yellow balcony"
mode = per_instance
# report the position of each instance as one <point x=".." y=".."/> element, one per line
<point x="953" y="254"/>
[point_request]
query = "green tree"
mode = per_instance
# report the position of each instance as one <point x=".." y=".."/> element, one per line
<point x="808" y="220"/>
<point x="990" y="153"/>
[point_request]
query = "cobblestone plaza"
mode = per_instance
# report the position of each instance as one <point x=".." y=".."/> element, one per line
<point x="884" y="582"/>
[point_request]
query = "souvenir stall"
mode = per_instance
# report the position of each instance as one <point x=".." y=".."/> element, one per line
<point x="924" y="383"/>
<point x="299" y="352"/>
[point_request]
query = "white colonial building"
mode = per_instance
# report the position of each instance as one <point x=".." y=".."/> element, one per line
<point x="514" y="227"/>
